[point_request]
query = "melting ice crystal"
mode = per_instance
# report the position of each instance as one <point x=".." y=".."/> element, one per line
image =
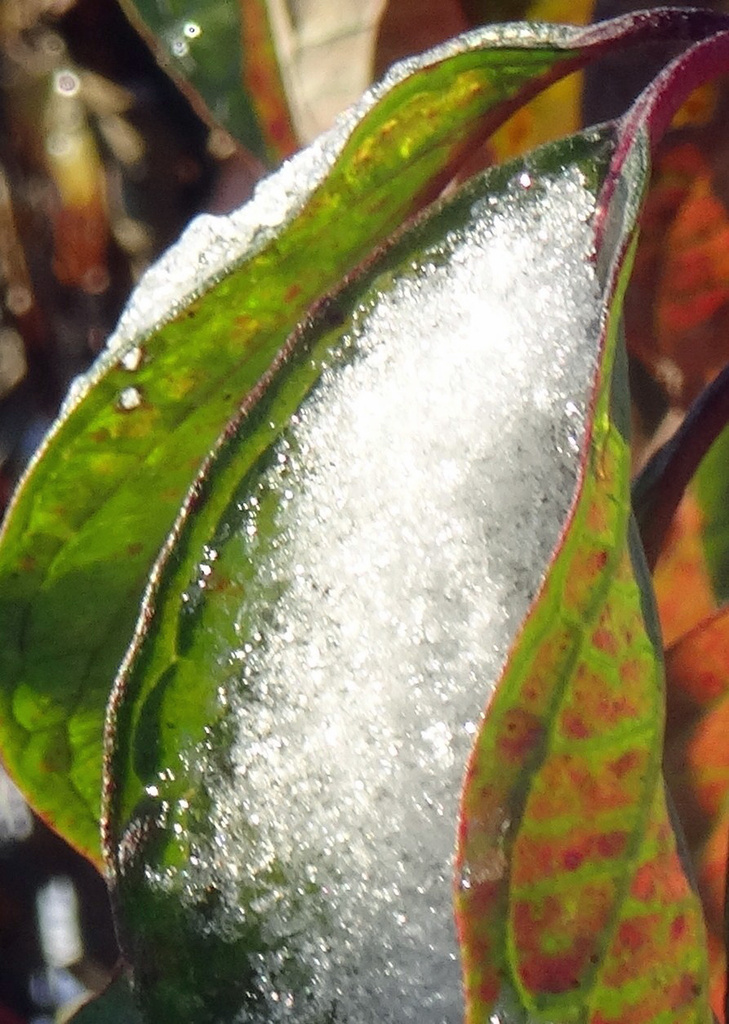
<point x="419" y="492"/>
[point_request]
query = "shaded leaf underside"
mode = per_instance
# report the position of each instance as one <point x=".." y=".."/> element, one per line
<point x="690" y="582"/>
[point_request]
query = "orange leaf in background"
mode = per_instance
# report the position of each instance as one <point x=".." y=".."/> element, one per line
<point x="696" y="759"/>
<point x="699" y="662"/>
<point x="712" y="886"/>
<point x="677" y="305"/>
<point x="78" y="210"/>
<point x="695" y="283"/>
<point x="681" y="580"/>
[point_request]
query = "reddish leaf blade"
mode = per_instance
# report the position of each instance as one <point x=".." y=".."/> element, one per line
<point x="691" y="586"/>
<point x="655" y="968"/>
<point x="593" y="862"/>
<point x="406" y="28"/>
<point x="677" y="308"/>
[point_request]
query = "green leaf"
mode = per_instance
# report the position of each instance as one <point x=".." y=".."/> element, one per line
<point x="225" y="51"/>
<point x="98" y="502"/>
<point x="288" y="738"/>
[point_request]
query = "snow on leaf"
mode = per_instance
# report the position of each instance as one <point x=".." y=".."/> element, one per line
<point x="288" y="738"/>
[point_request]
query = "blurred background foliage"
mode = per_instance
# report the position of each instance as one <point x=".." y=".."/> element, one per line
<point x="119" y="121"/>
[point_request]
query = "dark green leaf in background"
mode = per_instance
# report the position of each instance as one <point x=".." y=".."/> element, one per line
<point x="100" y="498"/>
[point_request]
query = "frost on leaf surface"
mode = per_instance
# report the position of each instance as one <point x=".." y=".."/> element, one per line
<point x="372" y="571"/>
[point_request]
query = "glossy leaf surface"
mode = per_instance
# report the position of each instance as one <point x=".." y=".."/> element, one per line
<point x="224" y="50"/>
<point x="288" y="738"/>
<point x="597" y="920"/>
<point x="97" y="504"/>
<point x="407" y="28"/>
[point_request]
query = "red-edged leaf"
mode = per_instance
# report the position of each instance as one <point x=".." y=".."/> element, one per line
<point x="691" y="584"/>
<point x="681" y="579"/>
<point x="406" y="28"/>
<point x="571" y="897"/>
<point x="677" y="312"/>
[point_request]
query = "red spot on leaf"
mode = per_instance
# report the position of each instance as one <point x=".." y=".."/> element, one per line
<point x="587" y="566"/>
<point x="536" y="857"/>
<point x="633" y="935"/>
<point x="685" y="990"/>
<point x="625" y="764"/>
<point x="574" y="727"/>
<point x="605" y="641"/>
<point x="678" y="927"/>
<point x="557" y="938"/>
<point x="612" y="844"/>
<point x="573" y="858"/>
<point x="520" y="733"/>
<point x="634" y="671"/>
<point x="661" y="879"/>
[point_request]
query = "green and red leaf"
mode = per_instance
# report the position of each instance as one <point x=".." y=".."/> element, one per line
<point x="211" y="611"/>
<point x="571" y="896"/>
